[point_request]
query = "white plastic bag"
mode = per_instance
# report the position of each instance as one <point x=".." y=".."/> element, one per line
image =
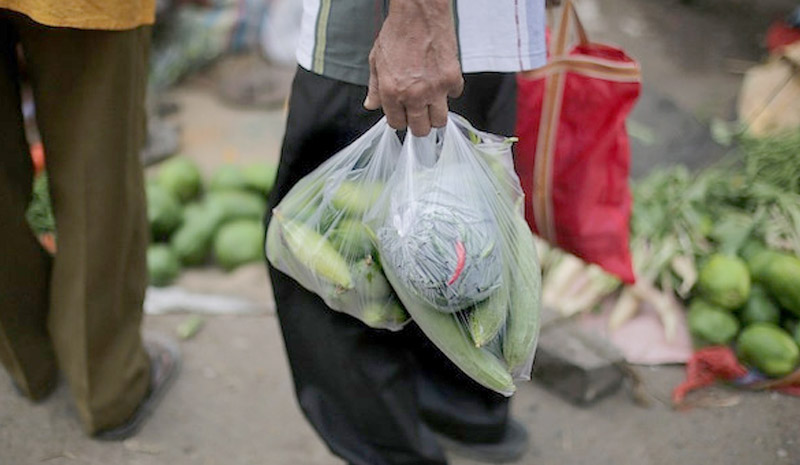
<point x="317" y="236"/>
<point x="432" y="230"/>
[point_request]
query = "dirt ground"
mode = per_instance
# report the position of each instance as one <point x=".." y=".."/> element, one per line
<point x="233" y="403"/>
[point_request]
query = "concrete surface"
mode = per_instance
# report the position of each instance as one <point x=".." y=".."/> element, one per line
<point x="233" y="403"/>
<point x="579" y="366"/>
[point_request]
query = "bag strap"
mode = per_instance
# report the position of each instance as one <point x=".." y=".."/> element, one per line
<point x="559" y="46"/>
<point x="542" y="200"/>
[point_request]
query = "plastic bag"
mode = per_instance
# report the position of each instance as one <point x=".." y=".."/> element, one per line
<point x="316" y="234"/>
<point x="432" y="230"/>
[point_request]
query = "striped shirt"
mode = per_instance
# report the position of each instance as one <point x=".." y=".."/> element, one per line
<point x="336" y="36"/>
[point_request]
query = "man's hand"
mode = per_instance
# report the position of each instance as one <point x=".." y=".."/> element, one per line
<point x="414" y="65"/>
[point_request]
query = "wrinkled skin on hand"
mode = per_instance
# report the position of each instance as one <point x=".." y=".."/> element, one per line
<point x="414" y="65"/>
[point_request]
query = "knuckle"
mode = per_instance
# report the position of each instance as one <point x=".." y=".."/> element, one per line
<point x="452" y="74"/>
<point x="388" y="96"/>
<point x="438" y="120"/>
<point x="416" y="113"/>
<point x="389" y="88"/>
<point x="395" y="118"/>
<point x="414" y="94"/>
<point x="396" y="124"/>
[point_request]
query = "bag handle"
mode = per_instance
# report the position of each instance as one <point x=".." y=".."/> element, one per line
<point x="559" y="45"/>
<point x="551" y="108"/>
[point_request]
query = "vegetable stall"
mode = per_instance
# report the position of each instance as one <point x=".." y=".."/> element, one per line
<point x="721" y="245"/>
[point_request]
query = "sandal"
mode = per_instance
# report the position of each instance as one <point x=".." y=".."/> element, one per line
<point x="165" y="362"/>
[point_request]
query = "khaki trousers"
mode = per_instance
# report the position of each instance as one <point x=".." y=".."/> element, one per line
<point x="79" y="312"/>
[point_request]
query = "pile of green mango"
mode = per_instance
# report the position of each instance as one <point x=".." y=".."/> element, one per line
<point x="193" y="224"/>
<point x="752" y="301"/>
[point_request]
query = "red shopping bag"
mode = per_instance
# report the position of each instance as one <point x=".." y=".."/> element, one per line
<point x="573" y="155"/>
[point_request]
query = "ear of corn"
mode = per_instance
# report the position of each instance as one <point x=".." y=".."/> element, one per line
<point x="315" y="252"/>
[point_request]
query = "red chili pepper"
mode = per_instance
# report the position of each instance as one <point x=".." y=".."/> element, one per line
<point x="461" y="257"/>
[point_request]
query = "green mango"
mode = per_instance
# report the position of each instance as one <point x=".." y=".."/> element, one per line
<point x="238" y="243"/>
<point x="760" y="308"/>
<point x="228" y="177"/>
<point x="725" y="281"/>
<point x="163" y="212"/>
<point x="162" y="265"/>
<point x="782" y="278"/>
<point x="181" y="177"/>
<point x="260" y="177"/>
<point x="710" y="324"/>
<point x="768" y="348"/>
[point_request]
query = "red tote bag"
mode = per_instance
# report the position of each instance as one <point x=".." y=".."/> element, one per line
<point x="573" y="154"/>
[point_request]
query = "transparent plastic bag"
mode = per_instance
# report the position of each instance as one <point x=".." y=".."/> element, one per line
<point x="316" y="234"/>
<point x="433" y="231"/>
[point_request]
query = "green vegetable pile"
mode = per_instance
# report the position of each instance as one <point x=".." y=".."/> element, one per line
<point x="766" y="311"/>
<point x="725" y="241"/>
<point x="472" y="288"/>
<point x="739" y="221"/>
<point x="190" y="223"/>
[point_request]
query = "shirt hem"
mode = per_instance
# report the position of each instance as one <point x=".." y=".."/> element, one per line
<point x="510" y="63"/>
<point x="100" y="24"/>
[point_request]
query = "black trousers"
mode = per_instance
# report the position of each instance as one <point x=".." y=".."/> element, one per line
<point x="375" y="396"/>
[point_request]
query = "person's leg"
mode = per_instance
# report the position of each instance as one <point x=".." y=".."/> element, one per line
<point x="89" y="89"/>
<point x="450" y="402"/>
<point x="25" y="348"/>
<point x="354" y="384"/>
